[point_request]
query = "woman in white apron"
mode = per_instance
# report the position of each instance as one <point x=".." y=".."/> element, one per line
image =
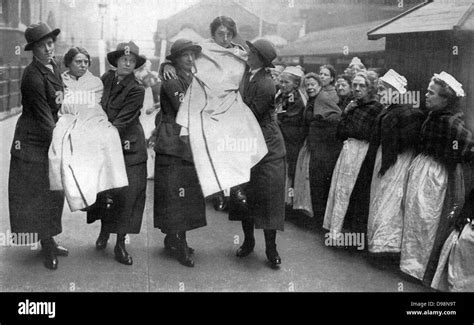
<point x="434" y="191"/>
<point x="395" y="139"/>
<point x="355" y="129"/>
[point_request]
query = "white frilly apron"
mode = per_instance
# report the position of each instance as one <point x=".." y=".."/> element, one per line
<point x="385" y="222"/>
<point x="226" y="138"/>
<point x="425" y="194"/>
<point x="85" y="156"/>
<point x="343" y="181"/>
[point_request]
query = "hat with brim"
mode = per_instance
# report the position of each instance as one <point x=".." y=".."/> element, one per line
<point x="265" y="49"/>
<point x="181" y="45"/>
<point x="126" y="49"/>
<point x="37" y="32"/>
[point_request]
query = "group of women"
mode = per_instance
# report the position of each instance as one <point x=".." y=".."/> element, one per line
<point x="80" y="138"/>
<point x="388" y="172"/>
<point x="322" y="143"/>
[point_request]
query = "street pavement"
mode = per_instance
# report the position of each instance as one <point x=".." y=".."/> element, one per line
<point x="308" y="265"/>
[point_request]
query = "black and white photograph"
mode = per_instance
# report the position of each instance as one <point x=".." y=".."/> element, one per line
<point x="280" y="147"/>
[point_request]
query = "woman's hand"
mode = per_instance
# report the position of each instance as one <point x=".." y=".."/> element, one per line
<point x="169" y="72"/>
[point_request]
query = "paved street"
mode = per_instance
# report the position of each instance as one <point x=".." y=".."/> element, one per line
<point x="308" y="265"/>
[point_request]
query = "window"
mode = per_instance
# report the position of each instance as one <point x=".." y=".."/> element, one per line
<point x="25" y="12"/>
<point x="3" y="12"/>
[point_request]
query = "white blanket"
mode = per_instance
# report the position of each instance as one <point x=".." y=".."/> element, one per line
<point x="226" y="139"/>
<point x="85" y="156"/>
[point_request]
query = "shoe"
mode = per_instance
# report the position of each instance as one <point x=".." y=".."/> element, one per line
<point x="270" y="248"/>
<point x="171" y="243"/>
<point x="101" y="242"/>
<point x="220" y="202"/>
<point x="273" y="257"/>
<point x="50" y="258"/>
<point x="246" y="248"/>
<point x="183" y="251"/>
<point x="121" y="254"/>
<point x="239" y="198"/>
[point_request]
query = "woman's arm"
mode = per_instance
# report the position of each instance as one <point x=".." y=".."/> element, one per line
<point x="33" y="90"/>
<point x="130" y="108"/>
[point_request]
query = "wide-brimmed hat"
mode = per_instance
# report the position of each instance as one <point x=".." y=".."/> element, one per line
<point x="126" y="49"/>
<point x="37" y="32"/>
<point x="265" y="49"/>
<point x="181" y="45"/>
<point x="395" y="80"/>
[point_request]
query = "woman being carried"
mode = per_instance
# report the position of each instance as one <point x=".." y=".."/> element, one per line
<point x="85" y="156"/>
<point x="225" y="137"/>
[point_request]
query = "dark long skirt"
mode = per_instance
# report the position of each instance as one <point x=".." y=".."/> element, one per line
<point x="179" y="203"/>
<point x="265" y="195"/>
<point x="294" y="138"/>
<point x="321" y="168"/>
<point x="126" y="214"/>
<point x="357" y="214"/>
<point x="33" y="207"/>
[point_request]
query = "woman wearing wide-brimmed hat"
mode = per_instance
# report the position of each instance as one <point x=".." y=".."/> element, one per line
<point x="34" y="209"/>
<point x="122" y="100"/>
<point x="179" y="203"/>
<point x="265" y="192"/>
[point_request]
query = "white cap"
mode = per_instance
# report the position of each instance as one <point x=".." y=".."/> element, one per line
<point x="395" y="80"/>
<point x="451" y="82"/>
<point x="356" y="60"/>
<point x="294" y="70"/>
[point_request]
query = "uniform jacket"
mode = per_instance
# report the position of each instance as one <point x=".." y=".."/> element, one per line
<point x="168" y="140"/>
<point x="122" y="103"/>
<point x="41" y="91"/>
<point x="259" y="96"/>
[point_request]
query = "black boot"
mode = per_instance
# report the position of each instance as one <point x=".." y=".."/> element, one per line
<point x="59" y="250"/>
<point x="171" y="243"/>
<point x="249" y="240"/>
<point x="220" y="202"/>
<point x="121" y="254"/>
<point x="49" y="252"/>
<point x="270" y="248"/>
<point x="101" y="242"/>
<point x="183" y="250"/>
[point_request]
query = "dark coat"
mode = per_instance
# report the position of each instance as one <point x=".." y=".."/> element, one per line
<point x="179" y="203"/>
<point x="266" y="189"/>
<point x="168" y="141"/>
<point x="331" y="91"/>
<point x="41" y="91"/>
<point x="122" y="103"/>
<point x="322" y="117"/>
<point x="33" y="207"/>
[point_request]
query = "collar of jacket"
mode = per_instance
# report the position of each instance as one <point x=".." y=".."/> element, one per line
<point x="125" y="81"/>
<point x="185" y="75"/>
<point x="55" y="77"/>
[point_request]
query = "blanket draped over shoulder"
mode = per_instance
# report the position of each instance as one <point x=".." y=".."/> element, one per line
<point x="85" y="156"/>
<point x="226" y="139"/>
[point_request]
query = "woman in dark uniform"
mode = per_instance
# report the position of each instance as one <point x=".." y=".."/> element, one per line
<point x="34" y="209"/>
<point x="122" y="101"/>
<point x="266" y="190"/>
<point x="179" y="203"/>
